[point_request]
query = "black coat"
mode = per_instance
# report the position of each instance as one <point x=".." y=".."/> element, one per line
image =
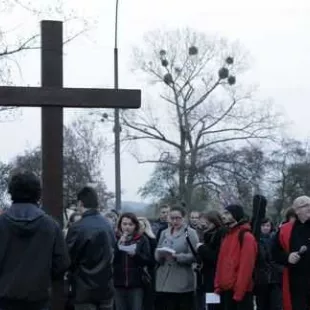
<point x="272" y="270"/>
<point x="91" y="250"/>
<point x="158" y="227"/>
<point x="149" y="290"/>
<point x="32" y="254"/>
<point x="299" y="274"/>
<point x="128" y="269"/>
<point x="153" y="244"/>
<point x="208" y="254"/>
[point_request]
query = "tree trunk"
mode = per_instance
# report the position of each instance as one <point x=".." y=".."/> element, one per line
<point x="190" y="180"/>
<point x="189" y="190"/>
<point x="182" y="167"/>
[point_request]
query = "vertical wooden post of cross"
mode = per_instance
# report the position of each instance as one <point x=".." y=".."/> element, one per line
<point x="52" y="133"/>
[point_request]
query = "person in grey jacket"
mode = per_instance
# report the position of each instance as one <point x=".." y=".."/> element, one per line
<point x="175" y="279"/>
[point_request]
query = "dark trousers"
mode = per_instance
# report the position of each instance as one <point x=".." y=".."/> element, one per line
<point x="214" y="307"/>
<point x="106" y="305"/>
<point x="228" y="303"/>
<point x="129" y="299"/>
<point x="175" y="301"/>
<point x="201" y="299"/>
<point x="269" y="297"/>
<point x="300" y="295"/>
<point x="149" y="298"/>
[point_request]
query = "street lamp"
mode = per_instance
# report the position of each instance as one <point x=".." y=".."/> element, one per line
<point x="117" y="128"/>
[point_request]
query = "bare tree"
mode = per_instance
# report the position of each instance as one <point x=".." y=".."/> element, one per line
<point x="4" y="177"/>
<point x="199" y="112"/>
<point x="83" y="152"/>
<point x="15" y="41"/>
<point x="242" y="176"/>
<point x="84" y="144"/>
<point x="288" y="174"/>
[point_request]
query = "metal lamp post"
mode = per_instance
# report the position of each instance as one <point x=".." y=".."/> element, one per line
<point x="117" y="127"/>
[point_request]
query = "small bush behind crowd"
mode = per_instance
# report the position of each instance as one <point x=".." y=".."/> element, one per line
<point x="124" y="262"/>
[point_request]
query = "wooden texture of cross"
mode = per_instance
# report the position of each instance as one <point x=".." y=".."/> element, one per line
<point x="52" y="98"/>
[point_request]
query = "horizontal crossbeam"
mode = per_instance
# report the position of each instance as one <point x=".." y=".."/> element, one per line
<point x="69" y="97"/>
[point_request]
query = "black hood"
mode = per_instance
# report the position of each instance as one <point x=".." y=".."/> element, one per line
<point x="24" y="218"/>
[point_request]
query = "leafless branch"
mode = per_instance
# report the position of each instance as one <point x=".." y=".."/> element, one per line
<point x="164" y="162"/>
<point x="153" y="134"/>
<point x="203" y="97"/>
<point x="22" y="47"/>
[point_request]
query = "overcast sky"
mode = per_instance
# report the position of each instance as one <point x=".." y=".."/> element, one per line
<point x="276" y="33"/>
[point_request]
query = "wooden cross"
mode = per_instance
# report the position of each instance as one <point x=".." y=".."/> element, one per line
<point x="52" y="98"/>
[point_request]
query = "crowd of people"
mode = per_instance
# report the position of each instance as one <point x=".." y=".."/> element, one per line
<point x="181" y="261"/>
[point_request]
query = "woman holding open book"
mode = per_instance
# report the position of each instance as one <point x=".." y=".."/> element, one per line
<point x="132" y="255"/>
<point x="175" y="279"/>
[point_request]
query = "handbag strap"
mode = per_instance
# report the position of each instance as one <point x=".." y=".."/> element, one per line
<point x="188" y="240"/>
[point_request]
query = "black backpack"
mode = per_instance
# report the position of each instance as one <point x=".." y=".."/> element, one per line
<point x="262" y="269"/>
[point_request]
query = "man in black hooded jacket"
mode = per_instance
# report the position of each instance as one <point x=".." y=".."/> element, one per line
<point x="33" y="252"/>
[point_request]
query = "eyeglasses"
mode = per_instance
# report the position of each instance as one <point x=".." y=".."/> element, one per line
<point x="176" y="218"/>
<point x="303" y="206"/>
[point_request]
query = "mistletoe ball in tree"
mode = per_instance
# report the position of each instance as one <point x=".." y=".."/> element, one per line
<point x="223" y="73"/>
<point x="168" y="79"/>
<point x="193" y="50"/>
<point x="164" y="63"/>
<point x="229" y="60"/>
<point x="162" y="53"/>
<point x="231" y="80"/>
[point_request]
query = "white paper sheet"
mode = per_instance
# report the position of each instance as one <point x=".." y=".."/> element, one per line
<point x="212" y="298"/>
<point x="127" y="248"/>
<point x="165" y="250"/>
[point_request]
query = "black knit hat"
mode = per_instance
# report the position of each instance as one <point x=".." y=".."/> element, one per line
<point x="236" y="211"/>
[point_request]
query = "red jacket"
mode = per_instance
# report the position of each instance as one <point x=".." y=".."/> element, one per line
<point x="285" y="237"/>
<point x="236" y="263"/>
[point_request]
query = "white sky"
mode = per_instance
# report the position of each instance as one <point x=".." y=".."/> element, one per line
<point x="276" y="33"/>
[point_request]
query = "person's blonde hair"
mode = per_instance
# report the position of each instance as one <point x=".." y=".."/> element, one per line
<point x="148" y="229"/>
<point x="300" y="202"/>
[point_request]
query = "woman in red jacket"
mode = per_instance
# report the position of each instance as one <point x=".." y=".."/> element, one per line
<point x="236" y="261"/>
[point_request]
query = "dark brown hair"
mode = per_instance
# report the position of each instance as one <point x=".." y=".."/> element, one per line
<point x="24" y="187"/>
<point x="268" y="220"/>
<point x="179" y="209"/>
<point x="89" y="197"/>
<point x="164" y="206"/>
<point x="215" y="218"/>
<point x="130" y="216"/>
<point x="290" y="212"/>
<point x="72" y="220"/>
